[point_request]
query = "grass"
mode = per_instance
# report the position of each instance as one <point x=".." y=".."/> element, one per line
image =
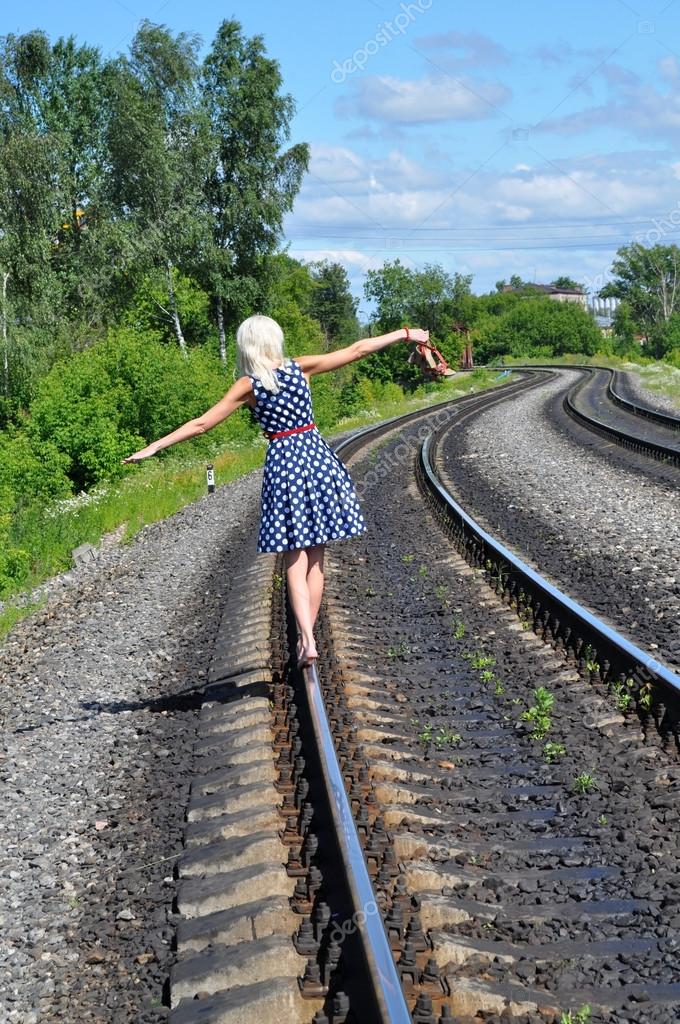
<point x="12" y="614"/>
<point x="539" y="713"/>
<point x="154" y="490"/>
<point x="158" y="488"/>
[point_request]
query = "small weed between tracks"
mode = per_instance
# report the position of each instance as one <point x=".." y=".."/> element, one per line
<point x="622" y="695"/>
<point x="443" y="737"/>
<point x="402" y="650"/>
<point x="591" y="664"/>
<point x="581" y="1016"/>
<point x="446" y="738"/>
<point x="458" y="629"/>
<point x="553" y="751"/>
<point x="583" y="784"/>
<point x="539" y="713"/>
<point x="478" y="659"/>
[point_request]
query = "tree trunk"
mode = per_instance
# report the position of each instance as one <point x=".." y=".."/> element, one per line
<point x="220" y="328"/>
<point x="3" y="322"/>
<point x="174" y="314"/>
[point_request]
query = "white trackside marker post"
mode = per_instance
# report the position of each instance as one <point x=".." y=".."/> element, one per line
<point x="210" y="476"/>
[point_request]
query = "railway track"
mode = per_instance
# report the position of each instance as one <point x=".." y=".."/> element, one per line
<point x="483" y="892"/>
<point x="599" y="403"/>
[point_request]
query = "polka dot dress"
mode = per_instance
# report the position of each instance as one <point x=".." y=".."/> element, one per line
<point x="307" y="494"/>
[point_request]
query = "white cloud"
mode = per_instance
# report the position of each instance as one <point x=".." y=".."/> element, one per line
<point x="669" y="69"/>
<point x="341" y="169"/>
<point x="427" y="101"/>
<point x="465" y="49"/>
<point x="638" y="108"/>
<point x="563" y="53"/>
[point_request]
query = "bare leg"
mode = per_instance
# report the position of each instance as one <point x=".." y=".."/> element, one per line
<point x="315" y="579"/>
<point x="298" y="591"/>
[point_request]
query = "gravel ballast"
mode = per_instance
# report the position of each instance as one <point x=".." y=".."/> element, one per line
<point x="634" y="389"/>
<point x="606" y="532"/>
<point x="99" y="693"/>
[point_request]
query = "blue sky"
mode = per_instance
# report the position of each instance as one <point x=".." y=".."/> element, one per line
<point x="492" y="138"/>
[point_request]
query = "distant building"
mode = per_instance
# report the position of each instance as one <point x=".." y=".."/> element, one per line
<point x="606" y="325"/>
<point x="603" y="311"/>
<point x="551" y="291"/>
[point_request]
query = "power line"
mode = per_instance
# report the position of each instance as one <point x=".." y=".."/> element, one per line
<point x="651" y="221"/>
<point x="459" y="248"/>
<point x="396" y="239"/>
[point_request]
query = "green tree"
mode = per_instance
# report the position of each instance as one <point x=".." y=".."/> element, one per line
<point x="158" y="144"/>
<point x="391" y="290"/>
<point x="648" y="278"/>
<point x="333" y="304"/>
<point x="290" y="281"/>
<point x="624" y="330"/>
<point x="567" y="282"/>
<point x="664" y="338"/>
<point x="430" y="298"/>
<point x="252" y="180"/>
<point x="30" y="199"/>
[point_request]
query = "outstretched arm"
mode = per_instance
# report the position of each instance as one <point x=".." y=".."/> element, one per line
<point x="236" y="396"/>
<point x="358" y="350"/>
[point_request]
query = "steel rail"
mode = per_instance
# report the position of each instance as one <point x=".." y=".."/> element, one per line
<point x="367" y="918"/>
<point x="661" y="452"/>
<point x="557" y="606"/>
<point x="551" y="609"/>
<point x="355" y="441"/>
<point x="645" y="411"/>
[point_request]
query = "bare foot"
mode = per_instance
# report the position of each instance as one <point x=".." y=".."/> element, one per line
<point x="298" y="649"/>
<point x="308" y="654"/>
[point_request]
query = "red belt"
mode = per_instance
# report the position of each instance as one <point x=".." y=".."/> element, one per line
<point x="287" y="433"/>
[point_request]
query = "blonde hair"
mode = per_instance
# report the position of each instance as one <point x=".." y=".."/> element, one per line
<point x="259" y="342"/>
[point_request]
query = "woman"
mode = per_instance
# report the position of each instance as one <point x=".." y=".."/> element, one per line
<point x="308" y="497"/>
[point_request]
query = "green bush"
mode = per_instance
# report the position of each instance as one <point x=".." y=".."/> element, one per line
<point x="30" y="471"/>
<point x="14" y="561"/>
<point x="665" y="337"/>
<point x="540" y="328"/>
<point x="14" y="566"/>
<point x="118" y="395"/>
<point x="392" y="393"/>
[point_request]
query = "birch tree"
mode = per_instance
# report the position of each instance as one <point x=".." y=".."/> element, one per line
<point x="648" y="279"/>
<point x="157" y="145"/>
<point x="253" y="179"/>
